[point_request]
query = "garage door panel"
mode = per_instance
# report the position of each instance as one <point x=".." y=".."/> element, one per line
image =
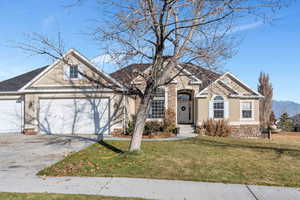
<point x="78" y="116"/>
<point x="11" y="116"/>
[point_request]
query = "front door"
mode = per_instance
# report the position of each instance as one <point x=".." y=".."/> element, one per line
<point x="184" y="108"/>
<point x="184" y="112"/>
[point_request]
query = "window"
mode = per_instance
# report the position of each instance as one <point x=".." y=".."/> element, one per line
<point x="218" y="105"/>
<point x="74" y="72"/>
<point x="183" y="97"/>
<point x="246" y="110"/>
<point x="157" y="105"/>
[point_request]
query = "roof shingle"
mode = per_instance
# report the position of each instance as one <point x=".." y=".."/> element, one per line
<point x="127" y="74"/>
<point x="16" y="83"/>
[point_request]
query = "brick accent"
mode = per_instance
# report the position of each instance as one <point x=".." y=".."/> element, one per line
<point x="30" y="131"/>
<point x="246" y="131"/>
<point x="172" y="98"/>
<point x="117" y="132"/>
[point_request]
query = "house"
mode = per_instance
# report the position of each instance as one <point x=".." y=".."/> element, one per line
<point x="59" y="99"/>
<point x="296" y="123"/>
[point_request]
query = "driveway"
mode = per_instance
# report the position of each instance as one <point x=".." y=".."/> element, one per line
<point x="23" y="156"/>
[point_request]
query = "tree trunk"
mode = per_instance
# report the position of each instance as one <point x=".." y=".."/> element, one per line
<point x="269" y="134"/>
<point x="136" y="141"/>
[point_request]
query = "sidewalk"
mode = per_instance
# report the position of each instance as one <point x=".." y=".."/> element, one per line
<point x="22" y="157"/>
<point x="146" y="188"/>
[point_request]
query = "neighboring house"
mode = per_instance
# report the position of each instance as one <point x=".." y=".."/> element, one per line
<point x="296" y="122"/>
<point x="58" y="99"/>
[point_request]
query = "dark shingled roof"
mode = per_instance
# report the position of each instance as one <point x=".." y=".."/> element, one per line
<point x="16" y="83"/>
<point x="127" y="74"/>
<point x="124" y="76"/>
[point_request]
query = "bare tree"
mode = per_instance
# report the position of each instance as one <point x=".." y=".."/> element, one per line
<point x="166" y="33"/>
<point x="265" y="88"/>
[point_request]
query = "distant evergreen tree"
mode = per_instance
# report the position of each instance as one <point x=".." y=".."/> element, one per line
<point x="285" y="122"/>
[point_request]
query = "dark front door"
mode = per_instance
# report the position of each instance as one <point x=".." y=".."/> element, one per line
<point x="184" y="108"/>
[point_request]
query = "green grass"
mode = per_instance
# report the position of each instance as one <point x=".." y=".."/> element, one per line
<point x="47" y="196"/>
<point x="209" y="159"/>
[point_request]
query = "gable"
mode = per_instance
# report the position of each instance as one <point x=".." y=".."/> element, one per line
<point x="182" y="76"/>
<point x="229" y="85"/>
<point x="236" y="86"/>
<point x="185" y="80"/>
<point x="56" y="75"/>
<point x="198" y="74"/>
<point x="218" y="89"/>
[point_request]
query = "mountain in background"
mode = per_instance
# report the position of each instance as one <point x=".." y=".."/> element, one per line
<point x="292" y="108"/>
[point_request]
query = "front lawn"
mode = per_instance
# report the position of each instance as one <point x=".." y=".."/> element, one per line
<point x="228" y="160"/>
<point x="47" y="196"/>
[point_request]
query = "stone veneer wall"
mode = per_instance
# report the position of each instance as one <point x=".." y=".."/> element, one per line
<point x="172" y="98"/>
<point x="241" y="131"/>
<point x="246" y="131"/>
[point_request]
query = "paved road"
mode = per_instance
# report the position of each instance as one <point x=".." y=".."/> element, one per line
<point x="22" y="156"/>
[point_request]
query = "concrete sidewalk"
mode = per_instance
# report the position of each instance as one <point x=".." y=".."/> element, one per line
<point x="146" y="188"/>
<point x="21" y="157"/>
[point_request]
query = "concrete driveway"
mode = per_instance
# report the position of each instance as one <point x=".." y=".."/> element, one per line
<point x="23" y="156"/>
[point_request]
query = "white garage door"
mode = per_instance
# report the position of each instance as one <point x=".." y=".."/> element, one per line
<point x="10" y="116"/>
<point x="74" y="116"/>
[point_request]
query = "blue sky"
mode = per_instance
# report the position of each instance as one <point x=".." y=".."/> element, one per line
<point x="272" y="48"/>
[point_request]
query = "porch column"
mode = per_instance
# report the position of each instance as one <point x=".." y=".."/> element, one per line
<point x="172" y="101"/>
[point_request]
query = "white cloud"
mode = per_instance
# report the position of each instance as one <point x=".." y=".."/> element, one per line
<point x="247" y="27"/>
<point x="102" y="59"/>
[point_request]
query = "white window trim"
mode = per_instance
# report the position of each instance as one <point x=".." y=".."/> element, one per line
<point x="252" y="110"/>
<point x="154" y="119"/>
<point x="78" y="77"/>
<point x="211" y="107"/>
<point x="165" y="105"/>
<point x="219" y="109"/>
<point x="166" y="96"/>
<point x="67" y="70"/>
<point x="243" y="123"/>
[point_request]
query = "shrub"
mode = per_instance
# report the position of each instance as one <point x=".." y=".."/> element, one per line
<point x="130" y="128"/>
<point x="150" y="127"/>
<point x="153" y="126"/>
<point x="219" y="128"/>
<point x="200" y="130"/>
